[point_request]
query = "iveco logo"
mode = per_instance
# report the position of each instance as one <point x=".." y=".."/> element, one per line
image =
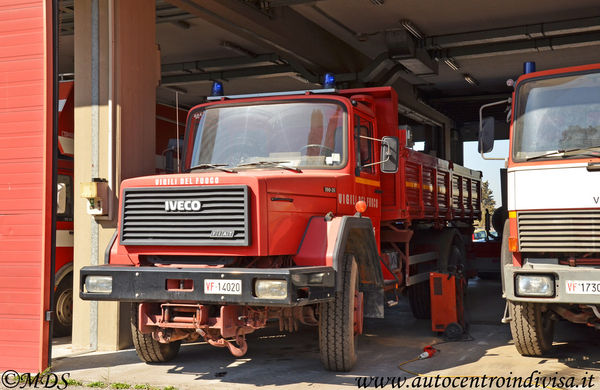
<point x="182" y="205"/>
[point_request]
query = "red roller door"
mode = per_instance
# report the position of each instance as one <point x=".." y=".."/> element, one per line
<point x="25" y="182"/>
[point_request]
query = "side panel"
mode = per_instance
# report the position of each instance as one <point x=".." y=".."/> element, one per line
<point x="26" y="193"/>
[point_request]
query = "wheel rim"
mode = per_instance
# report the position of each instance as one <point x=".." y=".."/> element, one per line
<point x="64" y="307"/>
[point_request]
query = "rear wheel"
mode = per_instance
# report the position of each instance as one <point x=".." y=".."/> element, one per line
<point x="420" y="300"/>
<point x="63" y="307"/>
<point x="340" y="321"/>
<point x="419" y="294"/>
<point x="532" y="328"/>
<point x="148" y="349"/>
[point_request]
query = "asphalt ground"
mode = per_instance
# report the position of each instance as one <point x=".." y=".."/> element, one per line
<point x="291" y="360"/>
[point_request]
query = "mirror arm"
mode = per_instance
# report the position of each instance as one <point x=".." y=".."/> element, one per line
<point x="509" y="100"/>
<point x="377" y="163"/>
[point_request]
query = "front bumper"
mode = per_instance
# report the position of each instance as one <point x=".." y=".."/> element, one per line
<point x="149" y="284"/>
<point x="561" y="273"/>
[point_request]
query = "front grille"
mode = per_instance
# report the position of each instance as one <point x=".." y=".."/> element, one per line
<point x="559" y="231"/>
<point x="222" y="220"/>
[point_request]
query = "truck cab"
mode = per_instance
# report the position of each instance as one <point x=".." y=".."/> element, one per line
<point x="551" y="248"/>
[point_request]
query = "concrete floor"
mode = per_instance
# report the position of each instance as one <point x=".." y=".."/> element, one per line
<point x="292" y="360"/>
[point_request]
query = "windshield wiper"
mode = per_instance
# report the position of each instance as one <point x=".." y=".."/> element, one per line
<point x="589" y="151"/>
<point x="220" y="167"/>
<point x="274" y="164"/>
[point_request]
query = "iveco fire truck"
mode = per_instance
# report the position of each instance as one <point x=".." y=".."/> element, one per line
<point x="551" y="242"/>
<point x="305" y="207"/>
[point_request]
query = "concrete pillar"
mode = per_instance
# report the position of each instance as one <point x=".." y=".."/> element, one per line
<point x="105" y="325"/>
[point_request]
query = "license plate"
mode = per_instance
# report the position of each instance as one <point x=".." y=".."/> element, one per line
<point x="223" y="286"/>
<point x="582" y="287"/>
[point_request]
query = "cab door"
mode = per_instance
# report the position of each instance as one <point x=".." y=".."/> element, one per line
<point x="367" y="186"/>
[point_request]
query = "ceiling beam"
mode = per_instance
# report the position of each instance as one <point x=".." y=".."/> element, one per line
<point x="523" y="46"/>
<point x="258" y="71"/>
<point x="284" y="3"/>
<point x="203" y="65"/>
<point x="284" y="31"/>
<point x="469" y="98"/>
<point x="523" y="32"/>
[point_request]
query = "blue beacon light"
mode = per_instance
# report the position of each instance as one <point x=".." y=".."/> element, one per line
<point x="329" y="81"/>
<point x="217" y="89"/>
<point x="528" y="67"/>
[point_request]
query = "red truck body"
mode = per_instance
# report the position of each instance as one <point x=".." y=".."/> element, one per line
<point x="63" y="260"/>
<point x="241" y="238"/>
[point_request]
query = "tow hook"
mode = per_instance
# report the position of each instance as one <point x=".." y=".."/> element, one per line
<point x="238" y="350"/>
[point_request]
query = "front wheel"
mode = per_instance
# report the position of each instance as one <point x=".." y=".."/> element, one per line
<point x="63" y="307"/>
<point x="532" y="328"/>
<point x="340" y="321"/>
<point x="148" y="349"/>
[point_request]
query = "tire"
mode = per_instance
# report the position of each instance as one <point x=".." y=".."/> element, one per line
<point x="419" y="299"/>
<point x="456" y="259"/>
<point x="337" y="338"/>
<point x="63" y="307"/>
<point x="148" y="349"/>
<point x="419" y="294"/>
<point x="532" y="328"/>
<point x="499" y="219"/>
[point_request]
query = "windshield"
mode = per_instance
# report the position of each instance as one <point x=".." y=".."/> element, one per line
<point x="295" y="134"/>
<point x="556" y="115"/>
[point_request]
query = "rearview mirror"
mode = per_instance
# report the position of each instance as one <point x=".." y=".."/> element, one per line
<point x="486" y="130"/>
<point x="486" y="135"/>
<point x="389" y="154"/>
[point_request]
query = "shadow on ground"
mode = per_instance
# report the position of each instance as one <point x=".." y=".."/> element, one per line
<point x="277" y="358"/>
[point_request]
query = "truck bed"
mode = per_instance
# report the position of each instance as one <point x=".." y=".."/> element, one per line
<point x="430" y="189"/>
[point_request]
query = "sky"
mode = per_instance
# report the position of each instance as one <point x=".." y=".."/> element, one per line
<point x="490" y="168"/>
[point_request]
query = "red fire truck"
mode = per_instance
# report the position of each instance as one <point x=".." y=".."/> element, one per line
<point x="551" y="244"/>
<point x="305" y="207"/>
<point x="63" y="277"/>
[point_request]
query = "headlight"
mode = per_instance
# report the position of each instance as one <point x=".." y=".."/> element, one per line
<point x="98" y="284"/>
<point x="271" y="289"/>
<point x="535" y="285"/>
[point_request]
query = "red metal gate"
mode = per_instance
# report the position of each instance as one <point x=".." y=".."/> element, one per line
<point x="26" y="192"/>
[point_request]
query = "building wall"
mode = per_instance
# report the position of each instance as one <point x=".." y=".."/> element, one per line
<point x="105" y="325"/>
<point x="26" y="192"/>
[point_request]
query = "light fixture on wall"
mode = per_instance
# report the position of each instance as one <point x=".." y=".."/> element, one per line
<point x="412" y="29"/>
<point x="451" y="63"/>
<point x="378" y="2"/>
<point x="470" y="79"/>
